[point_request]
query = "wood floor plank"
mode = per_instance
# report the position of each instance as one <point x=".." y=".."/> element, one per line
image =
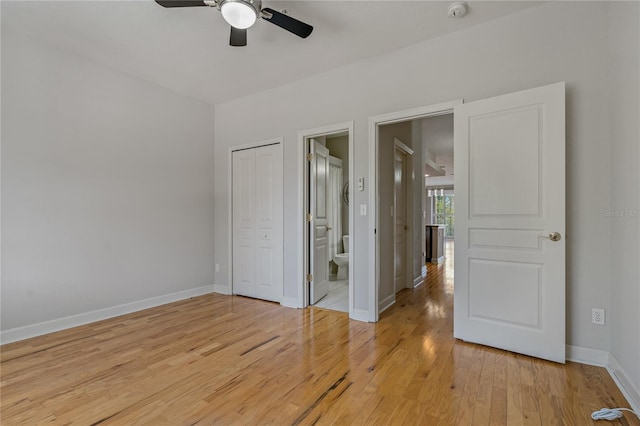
<point x="230" y="360"/>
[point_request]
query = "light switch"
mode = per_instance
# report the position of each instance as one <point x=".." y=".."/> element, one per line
<point x="363" y="209"/>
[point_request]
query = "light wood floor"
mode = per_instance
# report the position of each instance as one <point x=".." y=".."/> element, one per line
<point x="230" y="360"/>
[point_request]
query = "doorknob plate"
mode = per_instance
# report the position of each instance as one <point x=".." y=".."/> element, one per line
<point x="553" y="236"/>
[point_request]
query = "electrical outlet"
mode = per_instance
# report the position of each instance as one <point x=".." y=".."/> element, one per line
<point x="597" y="316"/>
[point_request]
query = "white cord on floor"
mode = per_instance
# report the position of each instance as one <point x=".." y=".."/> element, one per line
<point x="611" y="413"/>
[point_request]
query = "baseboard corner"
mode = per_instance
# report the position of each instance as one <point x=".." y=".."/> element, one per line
<point x="387" y="303"/>
<point x="221" y="289"/>
<point x="588" y="356"/>
<point x="290" y="302"/>
<point x="360" y="315"/>
<point x="624" y="383"/>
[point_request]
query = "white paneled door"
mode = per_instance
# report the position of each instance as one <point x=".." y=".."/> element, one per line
<point x="257" y="222"/>
<point x="318" y="226"/>
<point x="510" y="222"/>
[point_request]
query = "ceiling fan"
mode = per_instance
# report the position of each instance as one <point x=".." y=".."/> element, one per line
<point x="242" y="14"/>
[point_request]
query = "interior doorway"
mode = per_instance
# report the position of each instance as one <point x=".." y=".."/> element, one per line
<point x="328" y="218"/>
<point x="420" y="211"/>
<point x="428" y="135"/>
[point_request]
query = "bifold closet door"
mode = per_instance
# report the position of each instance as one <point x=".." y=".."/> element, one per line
<point x="257" y="222"/>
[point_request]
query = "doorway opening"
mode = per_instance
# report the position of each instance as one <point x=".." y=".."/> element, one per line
<point x="420" y="211"/>
<point x="328" y="213"/>
<point x="428" y="132"/>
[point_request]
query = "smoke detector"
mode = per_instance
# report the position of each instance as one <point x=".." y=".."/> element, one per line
<point x="457" y="9"/>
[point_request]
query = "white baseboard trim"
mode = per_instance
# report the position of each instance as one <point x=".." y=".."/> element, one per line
<point x="290" y="302"/>
<point x="587" y="355"/>
<point x="386" y="303"/>
<point x="46" y="327"/>
<point x="605" y="359"/>
<point x="419" y="280"/>
<point x="221" y="289"/>
<point x="626" y="386"/>
<point x="360" y="315"/>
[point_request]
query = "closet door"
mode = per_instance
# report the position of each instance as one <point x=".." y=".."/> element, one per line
<point x="268" y="220"/>
<point x="257" y="222"/>
<point x="244" y="224"/>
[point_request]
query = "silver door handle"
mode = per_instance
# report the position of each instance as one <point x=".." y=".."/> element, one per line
<point x="553" y="236"/>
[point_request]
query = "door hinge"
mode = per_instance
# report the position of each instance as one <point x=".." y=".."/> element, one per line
<point x="309" y="157"/>
<point x="309" y="217"/>
<point x="309" y="277"/>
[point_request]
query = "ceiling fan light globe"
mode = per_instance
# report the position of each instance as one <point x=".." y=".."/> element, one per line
<point x="238" y="13"/>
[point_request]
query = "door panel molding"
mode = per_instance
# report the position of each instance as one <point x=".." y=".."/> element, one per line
<point x="318" y="226"/>
<point x="278" y="237"/>
<point x="510" y="193"/>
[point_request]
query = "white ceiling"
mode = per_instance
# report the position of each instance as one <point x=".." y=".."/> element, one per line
<point x="187" y="49"/>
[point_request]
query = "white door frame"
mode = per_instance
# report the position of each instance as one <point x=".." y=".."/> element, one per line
<point x="409" y="206"/>
<point x="303" y="183"/>
<point x="276" y="141"/>
<point x="374" y="249"/>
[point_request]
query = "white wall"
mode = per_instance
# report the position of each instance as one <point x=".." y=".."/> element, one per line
<point x="107" y="186"/>
<point x="438" y="132"/>
<point x="624" y="207"/>
<point x="419" y="194"/>
<point x="556" y="41"/>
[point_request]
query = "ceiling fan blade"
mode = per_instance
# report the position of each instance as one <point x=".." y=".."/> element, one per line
<point x="181" y="3"/>
<point x="290" y="24"/>
<point x="238" y="37"/>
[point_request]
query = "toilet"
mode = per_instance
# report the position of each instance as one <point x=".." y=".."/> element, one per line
<point x="342" y="260"/>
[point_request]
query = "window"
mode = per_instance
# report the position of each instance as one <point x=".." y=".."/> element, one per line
<point x="443" y="208"/>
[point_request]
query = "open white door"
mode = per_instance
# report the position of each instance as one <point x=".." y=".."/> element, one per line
<point x="510" y="222"/>
<point x="318" y="226"/>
